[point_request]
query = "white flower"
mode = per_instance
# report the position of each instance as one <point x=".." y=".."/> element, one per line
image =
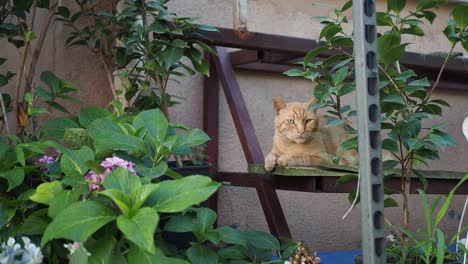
<point x="287" y="262"/>
<point x="72" y="247"/>
<point x="32" y="253"/>
<point x="391" y="238"/>
<point x="10" y="250"/>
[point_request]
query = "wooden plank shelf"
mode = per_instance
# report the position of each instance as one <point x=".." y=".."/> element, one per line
<point x="337" y="171"/>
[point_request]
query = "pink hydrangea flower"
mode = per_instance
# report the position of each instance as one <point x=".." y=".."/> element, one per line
<point x="45" y="160"/>
<point x="109" y="165"/>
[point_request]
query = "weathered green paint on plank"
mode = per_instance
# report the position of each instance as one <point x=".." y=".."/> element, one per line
<point x="337" y="171"/>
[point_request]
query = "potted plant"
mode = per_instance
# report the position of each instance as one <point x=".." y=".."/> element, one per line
<point x="145" y="46"/>
<point x="405" y="102"/>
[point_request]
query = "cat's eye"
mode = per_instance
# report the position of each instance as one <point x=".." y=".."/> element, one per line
<point x="291" y="121"/>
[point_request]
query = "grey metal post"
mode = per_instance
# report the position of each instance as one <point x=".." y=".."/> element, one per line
<point x="370" y="150"/>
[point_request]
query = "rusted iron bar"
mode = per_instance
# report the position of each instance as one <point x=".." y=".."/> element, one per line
<point x="327" y="184"/>
<point x="210" y="125"/>
<point x="252" y="151"/>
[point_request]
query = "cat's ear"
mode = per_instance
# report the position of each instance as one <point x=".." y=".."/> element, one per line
<point x="278" y="103"/>
<point x="312" y="101"/>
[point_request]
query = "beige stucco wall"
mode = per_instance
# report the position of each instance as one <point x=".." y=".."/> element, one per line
<point x="315" y="218"/>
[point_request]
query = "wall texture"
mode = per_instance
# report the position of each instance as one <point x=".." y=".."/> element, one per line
<point x="314" y="218"/>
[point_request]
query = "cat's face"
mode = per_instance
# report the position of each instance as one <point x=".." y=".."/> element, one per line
<point x="294" y="122"/>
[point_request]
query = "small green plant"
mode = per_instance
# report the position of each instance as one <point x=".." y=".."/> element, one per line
<point x="428" y="245"/>
<point x="145" y="42"/>
<point x="406" y="99"/>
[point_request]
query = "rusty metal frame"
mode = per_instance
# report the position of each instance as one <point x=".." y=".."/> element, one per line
<point x="273" y="53"/>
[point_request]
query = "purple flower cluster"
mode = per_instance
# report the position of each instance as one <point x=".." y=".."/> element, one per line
<point x="46" y="160"/>
<point x="109" y="164"/>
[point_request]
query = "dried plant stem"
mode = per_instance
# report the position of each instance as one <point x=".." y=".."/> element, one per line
<point x="5" y="116"/>
<point x="110" y="79"/>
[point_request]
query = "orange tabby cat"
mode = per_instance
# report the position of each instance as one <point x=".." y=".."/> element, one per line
<point x="301" y="138"/>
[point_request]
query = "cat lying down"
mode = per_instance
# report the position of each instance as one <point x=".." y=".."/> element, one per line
<point x="301" y="138"/>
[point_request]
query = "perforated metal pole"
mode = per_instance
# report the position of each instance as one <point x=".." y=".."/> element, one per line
<point x="370" y="150"/>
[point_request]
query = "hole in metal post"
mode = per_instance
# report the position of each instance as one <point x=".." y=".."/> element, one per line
<point x="371" y="60"/>
<point x="369" y="7"/>
<point x="378" y="220"/>
<point x="372" y="85"/>
<point x="376" y="193"/>
<point x="379" y="246"/>
<point x="376" y="166"/>
<point x="374" y="139"/>
<point x="370" y="33"/>
<point x="373" y="113"/>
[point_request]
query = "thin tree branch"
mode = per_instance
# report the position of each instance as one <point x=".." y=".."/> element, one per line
<point x="39" y="45"/>
<point x="21" y="66"/>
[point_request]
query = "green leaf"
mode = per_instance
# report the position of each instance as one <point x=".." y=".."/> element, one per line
<point x="14" y="177"/>
<point x="294" y="73"/>
<point x="3" y="217"/>
<point x="89" y="114"/>
<point x="177" y="195"/>
<point x="51" y="80"/>
<point x="312" y="54"/>
<point x="231" y="236"/>
<point x="153" y="172"/>
<point x="427" y="4"/>
<point x="194" y="137"/>
<point x="422" y="82"/>
<point x="347" y="6"/>
<point x="390" y="145"/>
<point x="153" y="120"/>
<point x="346" y="89"/>
<point x="136" y="255"/>
<point x="440" y="247"/>
<point x="413" y="30"/>
<point x="389" y="47"/>
<point x="61" y="201"/>
<point x="119" y="198"/>
<point x="78" y="221"/>
<point x="106" y="251"/>
<point x="55" y="127"/>
<point x="330" y="31"/>
<point x="339" y="76"/>
<point x="35" y="224"/>
<point x="347" y="178"/>
<point x="430" y="16"/>
<point x="204" y="220"/>
<point x="322" y="92"/>
<point x="460" y="15"/>
<point x="139" y="228"/>
<point x="351" y="143"/>
<point x="262" y="240"/>
<point x="122" y="180"/>
<point x="394" y="98"/>
<point x="331" y="122"/>
<point x="199" y="254"/>
<point x="108" y="135"/>
<point x="140" y="194"/>
<point x="180" y="224"/>
<point x="396" y="5"/>
<point x="384" y="19"/>
<point x="389" y="164"/>
<point x="389" y="202"/>
<point x="73" y="163"/>
<point x="172" y="55"/>
<point x="405" y="75"/>
<point x="448" y="201"/>
<point x="45" y="192"/>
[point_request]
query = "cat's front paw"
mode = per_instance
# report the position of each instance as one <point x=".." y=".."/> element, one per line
<point x="285" y="160"/>
<point x="270" y="162"/>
